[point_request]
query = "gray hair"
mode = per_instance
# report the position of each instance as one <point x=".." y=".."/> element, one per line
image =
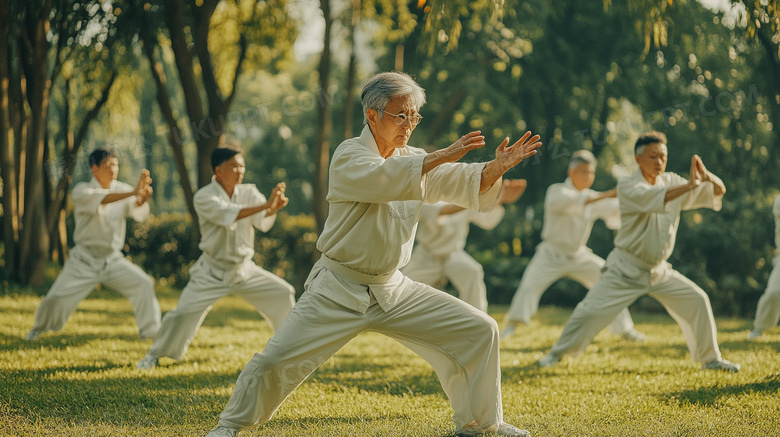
<point x="383" y="87"/>
<point x="581" y="157"/>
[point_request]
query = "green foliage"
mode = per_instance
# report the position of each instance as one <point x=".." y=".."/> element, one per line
<point x="165" y="246"/>
<point x="288" y="249"/>
<point x="82" y="380"/>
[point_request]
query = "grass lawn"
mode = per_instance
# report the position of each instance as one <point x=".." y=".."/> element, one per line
<point x="82" y="380"/>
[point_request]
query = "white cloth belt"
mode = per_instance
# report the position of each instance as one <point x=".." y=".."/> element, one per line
<point x="633" y="259"/>
<point x="353" y="275"/>
<point x="95" y="262"/>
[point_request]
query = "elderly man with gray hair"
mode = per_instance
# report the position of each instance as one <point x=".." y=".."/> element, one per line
<point x="377" y="187"/>
<point x="650" y="204"/>
<point x="570" y="209"/>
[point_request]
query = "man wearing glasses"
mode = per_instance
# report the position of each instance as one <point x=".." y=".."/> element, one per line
<point x="377" y="187"/>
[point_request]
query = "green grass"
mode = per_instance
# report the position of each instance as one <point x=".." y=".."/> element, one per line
<point x="82" y="380"/>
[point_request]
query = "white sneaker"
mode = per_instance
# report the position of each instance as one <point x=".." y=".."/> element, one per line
<point x="754" y="334"/>
<point x="721" y="364"/>
<point x="634" y="335"/>
<point x="222" y="431"/>
<point x="505" y="429"/>
<point x="549" y="360"/>
<point x="511" y="431"/>
<point x="148" y="362"/>
<point x="32" y="335"/>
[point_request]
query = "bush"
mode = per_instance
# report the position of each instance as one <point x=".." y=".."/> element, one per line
<point x="165" y="246"/>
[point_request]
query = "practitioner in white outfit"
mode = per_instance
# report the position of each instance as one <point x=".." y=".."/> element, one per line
<point x="441" y="238"/>
<point x="768" y="310"/>
<point x="570" y="208"/>
<point x="650" y="205"/>
<point x="101" y="208"/>
<point x="377" y="186"/>
<point x="228" y="214"/>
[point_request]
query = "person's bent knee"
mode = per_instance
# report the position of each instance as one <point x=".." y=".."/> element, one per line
<point x="486" y="325"/>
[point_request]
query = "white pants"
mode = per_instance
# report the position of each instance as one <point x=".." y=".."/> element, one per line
<point x="463" y="272"/>
<point x="269" y="294"/>
<point x="768" y="310"/>
<point x="620" y="285"/>
<point x="548" y="266"/>
<point x="459" y="341"/>
<point x="82" y="273"/>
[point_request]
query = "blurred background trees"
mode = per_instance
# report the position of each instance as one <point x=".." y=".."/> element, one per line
<point x="164" y="82"/>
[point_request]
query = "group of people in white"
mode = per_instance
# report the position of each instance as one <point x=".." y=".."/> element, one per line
<point x="381" y="192"/>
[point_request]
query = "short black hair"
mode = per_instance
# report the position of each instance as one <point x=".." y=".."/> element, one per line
<point x="98" y="155"/>
<point x="646" y="138"/>
<point x="223" y="154"/>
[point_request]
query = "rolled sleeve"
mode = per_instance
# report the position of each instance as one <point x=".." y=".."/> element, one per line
<point x="458" y="183"/>
<point x="703" y="197"/>
<point x="138" y="213"/>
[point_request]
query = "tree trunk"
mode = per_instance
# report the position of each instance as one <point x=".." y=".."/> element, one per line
<point x="324" y="127"/>
<point x="73" y="144"/>
<point x="351" y="71"/>
<point x="34" y="243"/>
<point x="443" y="118"/>
<point x="174" y="135"/>
<point x="7" y="161"/>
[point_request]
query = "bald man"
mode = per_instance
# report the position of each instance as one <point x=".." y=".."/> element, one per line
<point x="570" y="209"/>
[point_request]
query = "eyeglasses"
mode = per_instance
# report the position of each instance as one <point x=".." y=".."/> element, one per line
<point x="400" y="119"/>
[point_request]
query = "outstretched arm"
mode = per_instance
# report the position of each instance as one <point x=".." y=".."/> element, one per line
<point x="602" y="195"/>
<point x="143" y="190"/>
<point x="508" y="157"/>
<point x="276" y="202"/>
<point x="512" y="190"/>
<point x="455" y="151"/>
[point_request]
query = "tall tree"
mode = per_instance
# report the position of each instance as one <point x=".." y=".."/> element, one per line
<point x="324" y="125"/>
<point x="43" y="38"/>
<point x="209" y="67"/>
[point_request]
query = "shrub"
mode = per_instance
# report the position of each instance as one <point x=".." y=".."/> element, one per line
<point x="165" y="246"/>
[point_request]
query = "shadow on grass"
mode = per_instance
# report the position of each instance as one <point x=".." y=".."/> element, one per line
<point x="87" y="395"/>
<point x="67" y="395"/>
<point x="384" y="426"/>
<point x="369" y="377"/>
<point x="748" y="345"/>
<point x="57" y="341"/>
<point x="708" y="396"/>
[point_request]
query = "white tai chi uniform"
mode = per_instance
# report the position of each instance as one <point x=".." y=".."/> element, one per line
<point x="563" y="253"/>
<point x="768" y="310"/>
<point x="637" y="266"/>
<point x="225" y="266"/>
<point x="96" y="259"/>
<point x="439" y="251"/>
<point x="356" y="286"/>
